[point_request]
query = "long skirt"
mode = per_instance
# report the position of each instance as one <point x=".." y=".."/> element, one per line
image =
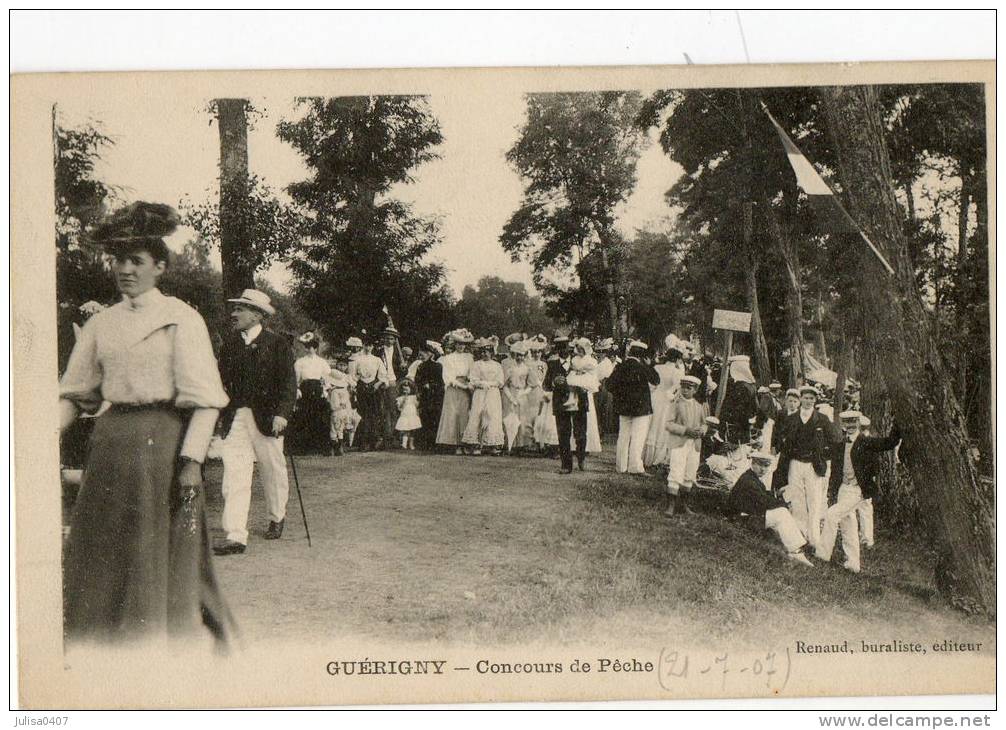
<point x="657" y="449"/>
<point x="603" y="412"/>
<point x="527" y="410"/>
<point x="368" y="403"/>
<point x="309" y="427"/>
<point x="454" y="416"/>
<point x="545" y="428"/>
<point x="593" y="435"/>
<point x="485" y="419"/>
<point x="431" y="403"/>
<point x="137" y="561"/>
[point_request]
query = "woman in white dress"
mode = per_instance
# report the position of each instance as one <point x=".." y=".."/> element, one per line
<point x="457" y="392"/>
<point x="583" y="374"/>
<point x="520" y="401"/>
<point x="657" y="449"/>
<point x="485" y="419"/>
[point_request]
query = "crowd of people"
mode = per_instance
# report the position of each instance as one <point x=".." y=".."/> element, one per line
<point x="139" y="564"/>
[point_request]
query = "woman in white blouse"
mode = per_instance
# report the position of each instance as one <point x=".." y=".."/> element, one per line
<point x="136" y="562"/>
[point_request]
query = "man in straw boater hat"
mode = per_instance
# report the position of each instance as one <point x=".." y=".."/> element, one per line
<point x="750" y="496"/>
<point x="569" y="406"/>
<point x="389" y="352"/>
<point x="629" y="384"/>
<point x="256" y="366"/>
<point x="805" y="440"/>
<point x="854" y="467"/>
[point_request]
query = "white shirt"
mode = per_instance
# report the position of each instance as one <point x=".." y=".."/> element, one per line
<point x="311" y="367"/>
<point x="805" y="414"/>
<point x="150" y="349"/>
<point x="388" y="358"/>
<point x="251" y="334"/>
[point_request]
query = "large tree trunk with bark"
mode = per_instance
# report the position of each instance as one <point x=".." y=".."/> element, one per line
<point x="235" y="248"/>
<point x="787" y="247"/>
<point x="959" y="506"/>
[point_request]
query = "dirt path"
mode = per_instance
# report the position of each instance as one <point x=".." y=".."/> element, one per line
<point x="409" y="546"/>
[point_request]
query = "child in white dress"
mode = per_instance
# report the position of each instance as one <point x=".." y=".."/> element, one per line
<point x="408" y="420"/>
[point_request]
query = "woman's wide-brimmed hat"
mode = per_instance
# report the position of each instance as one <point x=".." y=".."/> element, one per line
<point x="354" y="342"/>
<point x="461" y="335"/>
<point x="432" y="346"/>
<point x="584" y="344"/>
<point x="255" y="298"/>
<point x="390" y="330"/>
<point x="307" y="338"/>
<point x="136" y="222"/>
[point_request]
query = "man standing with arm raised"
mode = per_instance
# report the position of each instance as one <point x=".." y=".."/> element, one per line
<point x="256" y="366"/>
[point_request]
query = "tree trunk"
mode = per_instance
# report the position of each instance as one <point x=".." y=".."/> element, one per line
<point x="820" y="344"/>
<point x="936" y="446"/>
<point x="609" y="287"/>
<point x="760" y="347"/>
<point x="236" y="255"/>
<point x="794" y="296"/>
<point x="963" y="213"/>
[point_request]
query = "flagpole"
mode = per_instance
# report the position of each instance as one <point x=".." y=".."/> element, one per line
<point x="849" y="219"/>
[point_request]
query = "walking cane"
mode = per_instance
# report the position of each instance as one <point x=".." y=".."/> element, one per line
<point x="300" y="498"/>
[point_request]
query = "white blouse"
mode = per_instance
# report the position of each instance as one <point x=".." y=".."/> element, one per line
<point x="456" y="365"/>
<point x="152" y="349"/>
<point x="311" y="367"/>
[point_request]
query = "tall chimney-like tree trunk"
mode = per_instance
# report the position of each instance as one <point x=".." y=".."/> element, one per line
<point x="787" y="248"/>
<point x="936" y="447"/>
<point x="762" y="364"/>
<point x="235" y="248"/>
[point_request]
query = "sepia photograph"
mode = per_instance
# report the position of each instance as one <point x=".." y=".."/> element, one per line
<point x="483" y="385"/>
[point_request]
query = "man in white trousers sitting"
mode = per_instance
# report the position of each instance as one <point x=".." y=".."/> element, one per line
<point x="629" y="385"/>
<point x="805" y="441"/>
<point x="750" y="496"/>
<point x="854" y="467"/>
<point x="256" y="366"/>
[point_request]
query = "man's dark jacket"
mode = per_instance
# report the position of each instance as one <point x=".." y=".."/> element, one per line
<point x="263" y="371"/>
<point x="554" y="368"/>
<point x="629" y="385"/>
<point x="749" y="496"/>
<point x="865" y="458"/>
<point x="825" y="435"/>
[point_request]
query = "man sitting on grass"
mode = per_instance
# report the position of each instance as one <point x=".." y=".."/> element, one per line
<point x="750" y="496"/>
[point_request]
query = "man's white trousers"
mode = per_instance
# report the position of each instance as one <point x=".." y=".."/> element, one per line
<point x="245" y="445"/>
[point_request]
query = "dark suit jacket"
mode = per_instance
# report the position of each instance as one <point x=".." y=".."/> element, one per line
<point x="749" y="496"/>
<point x="555" y="369"/>
<point x="865" y="462"/>
<point x="826" y="434"/>
<point x="274" y="391"/>
<point x="629" y="384"/>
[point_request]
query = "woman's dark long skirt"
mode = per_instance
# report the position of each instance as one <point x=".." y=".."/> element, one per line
<point x="368" y="403"/>
<point x="137" y="561"/>
<point x="310" y="423"/>
<point x="431" y="403"/>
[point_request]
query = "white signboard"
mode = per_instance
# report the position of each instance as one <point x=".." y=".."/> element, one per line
<point x="724" y="319"/>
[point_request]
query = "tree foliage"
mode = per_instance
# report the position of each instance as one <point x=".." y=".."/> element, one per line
<point x="577" y="155"/>
<point x="273" y="228"/>
<point x="497" y="307"/>
<point x="366" y="249"/>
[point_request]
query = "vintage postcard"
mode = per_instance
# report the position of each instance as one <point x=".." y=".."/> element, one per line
<point x="487" y="385"/>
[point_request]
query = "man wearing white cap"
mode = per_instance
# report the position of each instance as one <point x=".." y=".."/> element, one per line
<point x="854" y="470"/>
<point x="256" y="366"/>
<point x="629" y="384"/>
<point x="686" y="426"/>
<point x="805" y="440"/>
<point x="750" y="496"/>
